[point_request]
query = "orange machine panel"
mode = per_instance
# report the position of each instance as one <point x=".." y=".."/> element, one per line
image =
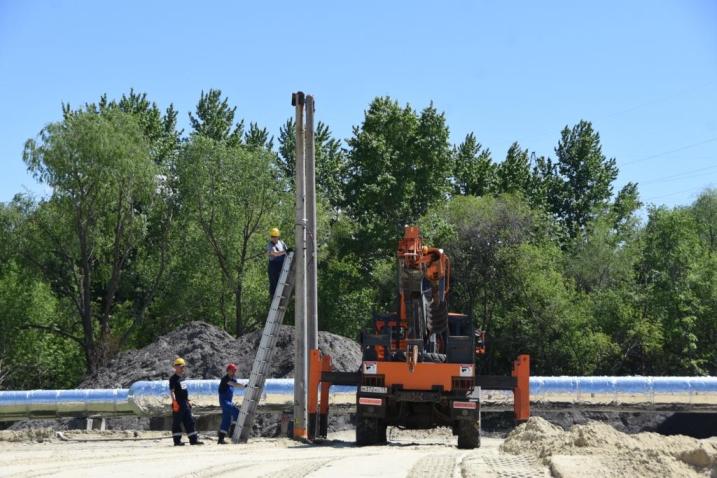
<point x="424" y="375"/>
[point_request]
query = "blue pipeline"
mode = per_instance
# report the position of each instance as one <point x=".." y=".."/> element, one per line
<point x="152" y="397"/>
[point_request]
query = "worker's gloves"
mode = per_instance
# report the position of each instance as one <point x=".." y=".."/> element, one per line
<point x="175" y="406"/>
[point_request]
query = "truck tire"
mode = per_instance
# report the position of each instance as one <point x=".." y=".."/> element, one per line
<point x="382" y="438"/>
<point x="468" y="434"/>
<point x="367" y="431"/>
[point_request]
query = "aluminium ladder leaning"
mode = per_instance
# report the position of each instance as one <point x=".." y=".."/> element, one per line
<point x="253" y="391"/>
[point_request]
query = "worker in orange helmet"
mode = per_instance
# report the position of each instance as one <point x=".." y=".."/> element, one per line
<point x="230" y="412"/>
<point x="276" y="251"/>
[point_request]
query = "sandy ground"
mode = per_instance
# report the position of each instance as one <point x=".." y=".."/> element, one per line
<point x="410" y="454"/>
<point x="597" y="449"/>
<point x="535" y="449"/>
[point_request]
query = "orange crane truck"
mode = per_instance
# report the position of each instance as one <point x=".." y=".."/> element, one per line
<point x="419" y="363"/>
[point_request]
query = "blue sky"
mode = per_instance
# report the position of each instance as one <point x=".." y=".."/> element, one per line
<point x="645" y="73"/>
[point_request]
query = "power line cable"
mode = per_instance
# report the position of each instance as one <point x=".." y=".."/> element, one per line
<point x="679" y="176"/>
<point x="692" y="190"/>
<point x="677" y="150"/>
<point x="661" y="99"/>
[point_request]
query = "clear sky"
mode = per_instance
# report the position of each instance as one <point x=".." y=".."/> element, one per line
<point x="644" y="72"/>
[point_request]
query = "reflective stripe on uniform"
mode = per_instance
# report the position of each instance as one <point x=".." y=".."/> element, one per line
<point x="222" y="431"/>
<point x="177" y="434"/>
<point x="190" y="434"/>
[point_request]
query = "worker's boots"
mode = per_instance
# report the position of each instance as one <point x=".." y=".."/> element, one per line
<point x="221" y="439"/>
<point x="231" y="429"/>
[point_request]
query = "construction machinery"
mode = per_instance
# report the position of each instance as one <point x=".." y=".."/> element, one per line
<point x="419" y="363"/>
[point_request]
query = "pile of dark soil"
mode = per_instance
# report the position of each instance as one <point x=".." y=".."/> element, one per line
<point x="207" y="349"/>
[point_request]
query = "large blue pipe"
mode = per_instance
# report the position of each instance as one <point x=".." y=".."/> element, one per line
<point x="151" y="398"/>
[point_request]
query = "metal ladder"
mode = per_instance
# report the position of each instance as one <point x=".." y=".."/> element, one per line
<point x="253" y="391"/>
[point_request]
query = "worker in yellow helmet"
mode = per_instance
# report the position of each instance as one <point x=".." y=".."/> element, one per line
<point x="276" y="251"/>
<point x="181" y="406"/>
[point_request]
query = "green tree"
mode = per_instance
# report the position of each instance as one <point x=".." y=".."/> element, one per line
<point x="330" y="160"/>
<point x="669" y="273"/>
<point x="507" y="273"/>
<point x="704" y="211"/>
<point x="473" y="169"/>
<point x="150" y="260"/>
<point x="82" y="239"/>
<point x="258" y="137"/>
<point x="513" y="174"/>
<point x="587" y="177"/>
<point x="231" y="193"/>
<point x="214" y="119"/>
<point x="399" y="164"/>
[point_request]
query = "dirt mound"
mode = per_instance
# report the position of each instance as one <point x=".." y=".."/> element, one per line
<point x="207" y="349"/>
<point x="37" y="435"/>
<point x="611" y="452"/>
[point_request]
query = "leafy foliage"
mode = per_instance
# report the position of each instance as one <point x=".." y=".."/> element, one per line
<point x="83" y="238"/>
<point x="233" y="197"/>
<point x="474" y="173"/>
<point x="330" y="161"/>
<point x="399" y="162"/>
<point x="146" y="228"/>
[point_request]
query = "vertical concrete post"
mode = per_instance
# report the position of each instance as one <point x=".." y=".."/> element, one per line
<point x="312" y="313"/>
<point x="300" y="354"/>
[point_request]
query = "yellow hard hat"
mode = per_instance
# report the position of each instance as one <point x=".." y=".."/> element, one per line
<point x="275" y="232"/>
<point x="179" y="361"/>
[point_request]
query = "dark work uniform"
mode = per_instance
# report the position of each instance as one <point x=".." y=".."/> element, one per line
<point x="230" y="412"/>
<point x="275" y="264"/>
<point x="184" y="415"/>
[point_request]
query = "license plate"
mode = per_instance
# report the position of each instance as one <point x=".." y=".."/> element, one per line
<point x="367" y="389"/>
<point x="465" y="405"/>
<point x="370" y="401"/>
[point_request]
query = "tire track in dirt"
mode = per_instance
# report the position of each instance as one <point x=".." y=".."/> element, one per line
<point x="97" y="460"/>
<point x="56" y="467"/>
<point x="233" y="468"/>
<point x="433" y="466"/>
<point x="502" y="466"/>
<point x="300" y="471"/>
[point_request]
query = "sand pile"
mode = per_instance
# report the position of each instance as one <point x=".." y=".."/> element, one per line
<point x="207" y="349"/>
<point x="597" y="449"/>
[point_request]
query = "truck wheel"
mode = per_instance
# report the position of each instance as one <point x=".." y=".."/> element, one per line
<point x="468" y="434"/>
<point x="382" y="438"/>
<point x="367" y="431"/>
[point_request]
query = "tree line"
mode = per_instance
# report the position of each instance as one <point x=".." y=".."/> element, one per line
<point x="146" y="227"/>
